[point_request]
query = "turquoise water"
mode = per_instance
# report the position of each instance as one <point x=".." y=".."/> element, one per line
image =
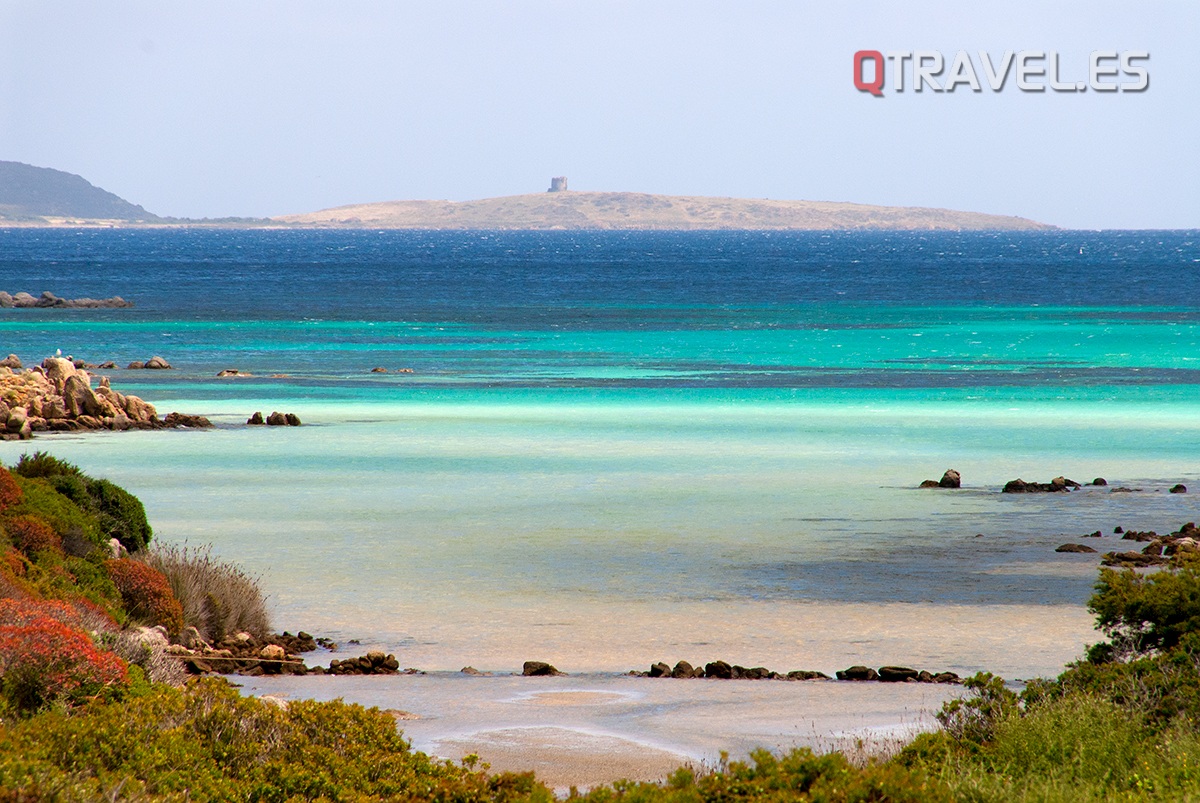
<point x="618" y="449"/>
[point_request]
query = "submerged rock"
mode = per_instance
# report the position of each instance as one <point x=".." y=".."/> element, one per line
<point x="1082" y="548"/>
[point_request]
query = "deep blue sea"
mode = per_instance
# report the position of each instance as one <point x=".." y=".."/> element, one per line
<point x="615" y="447"/>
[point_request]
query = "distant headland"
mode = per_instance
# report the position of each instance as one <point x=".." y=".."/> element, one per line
<point x="43" y="197"/>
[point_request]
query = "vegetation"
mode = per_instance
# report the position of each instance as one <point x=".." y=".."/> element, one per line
<point x="218" y="598"/>
<point x="80" y="721"/>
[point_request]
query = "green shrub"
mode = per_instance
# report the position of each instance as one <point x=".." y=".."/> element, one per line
<point x="207" y="743"/>
<point x="116" y="512"/>
<point x="1145" y="613"/>
<point x="66" y="517"/>
<point x="121" y="515"/>
<point x="218" y="598"/>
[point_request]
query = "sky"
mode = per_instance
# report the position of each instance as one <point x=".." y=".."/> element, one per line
<point x="208" y="109"/>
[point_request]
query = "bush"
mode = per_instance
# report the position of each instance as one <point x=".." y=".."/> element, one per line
<point x="44" y="656"/>
<point x="64" y="516"/>
<point x="975" y="719"/>
<point x="117" y="513"/>
<point x="207" y="743"/>
<point x="146" y="593"/>
<point x="30" y="535"/>
<point x="121" y="514"/>
<point x="218" y="598"/>
<point x="10" y="491"/>
<point x="1145" y="613"/>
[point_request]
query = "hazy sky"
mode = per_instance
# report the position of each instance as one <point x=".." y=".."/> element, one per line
<point x="264" y="108"/>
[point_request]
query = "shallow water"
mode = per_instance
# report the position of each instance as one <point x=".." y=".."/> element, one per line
<point x="615" y="448"/>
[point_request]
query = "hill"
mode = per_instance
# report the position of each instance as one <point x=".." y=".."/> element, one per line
<point x="633" y="210"/>
<point x="33" y="194"/>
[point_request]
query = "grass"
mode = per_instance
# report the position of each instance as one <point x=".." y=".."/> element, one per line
<point x="218" y="598"/>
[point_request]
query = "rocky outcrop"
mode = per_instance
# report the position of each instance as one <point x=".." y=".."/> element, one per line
<point x="56" y="396"/>
<point x="373" y="663"/>
<point x="950" y="479"/>
<point x="275" y="419"/>
<point x="48" y="300"/>
<point x="539" y="669"/>
<point x="1056" y="485"/>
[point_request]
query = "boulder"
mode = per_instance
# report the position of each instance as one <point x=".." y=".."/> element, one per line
<point x="1074" y="548"/>
<point x="539" y="669"/>
<point x="660" y="670"/>
<point x="946" y="677"/>
<point x="858" y="673"/>
<point x="951" y="479"/>
<point x="136" y="365"/>
<point x="1132" y="560"/>
<point x="186" y="420"/>
<point x="157" y="363"/>
<point x="277" y="419"/>
<point x="379" y="370"/>
<point x="718" y="669"/>
<point x="929" y="484"/>
<point x="230" y="372"/>
<point x="255" y="420"/>
<point x="1179" y="489"/>
<point x="12" y="361"/>
<point x="470" y="670"/>
<point x="806" y="674"/>
<point x="897" y="674"/>
<point x="1099" y="481"/>
<point x="292" y="419"/>
<point x="685" y="670"/>
<point x="272" y="652"/>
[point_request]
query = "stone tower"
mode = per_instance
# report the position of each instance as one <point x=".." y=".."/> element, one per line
<point x="558" y="184"/>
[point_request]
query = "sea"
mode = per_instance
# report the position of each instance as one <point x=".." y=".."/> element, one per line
<point x="607" y="449"/>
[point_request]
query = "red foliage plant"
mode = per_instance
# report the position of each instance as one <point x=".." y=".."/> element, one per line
<point x="146" y="593"/>
<point x="10" y="493"/>
<point x="30" y="534"/>
<point x="45" y="656"/>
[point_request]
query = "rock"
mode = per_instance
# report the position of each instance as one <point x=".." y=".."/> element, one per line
<point x="683" y="670"/>
<point x="1155" y="547"/>
<point x="136" y="365"/>
<point x="719" y="670"/>
<point x="1096" y="534"/>
<point x="255" y="420"/>
<point x="660" y="670"/>
<point x="1056" y="485"/>
<point x="272" y="652"/>
<point x="107" y="365"/>
<point x="858" y="673"/>
<point x="929" y="484"/>
<point x="277" y="419"/>
<point x="1134" y="535"/>
<point x="190" y="637"/>
<point x="1132" y="560"/>
<point x="470" y="670"/>
<point x="1118" y="530"/>
<point x="951" y="479"/>
<point x="230" y="372"/>
<point x="12" y="361"/>
<point x="806" y="674"/>
<point x="157" y="363"/>
<point x="946" y="677"/>
<point x="1074" y="548"/>
<point x="539" y="669"/>
<point x="1099" y="481"/>
<point x="292" y="419"/>
<point x="1179" y="489"/>
<point x="897" y="674"/>
<point x="185" y="420"/>
<point x="116" y="549"/>
<point x="379" y="370"/>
